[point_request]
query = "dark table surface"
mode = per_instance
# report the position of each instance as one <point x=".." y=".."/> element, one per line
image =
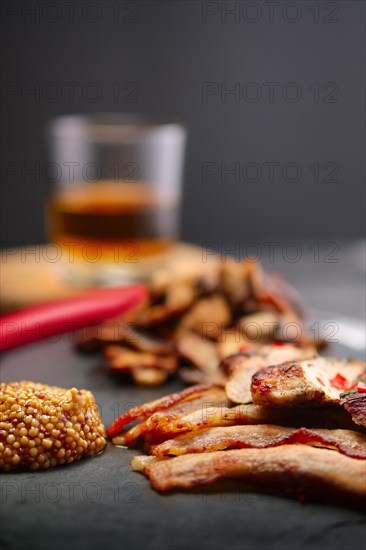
<point x="101" y="502"/>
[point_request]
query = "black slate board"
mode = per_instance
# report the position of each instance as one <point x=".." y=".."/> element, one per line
<point x="101" y="502"/>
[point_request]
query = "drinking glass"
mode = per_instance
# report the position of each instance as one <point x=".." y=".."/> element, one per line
<point x="115" y="207"/>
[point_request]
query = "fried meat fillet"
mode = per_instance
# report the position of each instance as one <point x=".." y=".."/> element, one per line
<point x="347" y="442"/>
<point x="170" y="406"/>
<point x="296" y="468"/>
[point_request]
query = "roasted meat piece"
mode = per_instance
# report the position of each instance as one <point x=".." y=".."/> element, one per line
<point x="355" y="403"/>
<point x="315" y="381"/>
<point x="241" y="367"/>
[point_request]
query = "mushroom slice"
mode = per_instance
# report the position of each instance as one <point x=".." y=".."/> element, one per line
<point x="156" y="315"/>
<point x="234" y="281"/>
<point x="181" y="294"/>
<point x="232" y="341"/>
<point x="118" y="332"/>
<point x="202" y="354"/>
<point x="260" y="327"/>
<point x="208" y="316"/>
<point x="123" y="359"/>
<point x="149" y="376"/>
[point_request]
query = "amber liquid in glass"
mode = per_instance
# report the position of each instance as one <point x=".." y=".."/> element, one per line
<point x="113" y="222"/>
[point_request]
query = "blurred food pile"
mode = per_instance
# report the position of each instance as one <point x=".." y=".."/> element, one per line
<point x="191" y="323"/>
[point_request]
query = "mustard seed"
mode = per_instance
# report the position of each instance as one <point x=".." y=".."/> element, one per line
<point x="44" y="426"/>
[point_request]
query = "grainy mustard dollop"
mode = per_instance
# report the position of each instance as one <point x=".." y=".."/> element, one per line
<point x="43" y="426"/>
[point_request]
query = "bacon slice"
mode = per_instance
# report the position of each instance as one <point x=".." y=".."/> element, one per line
<point x="305" y="470"/>
<point x="316" y="381"/>
<point x="159" y="421"/>
<point x="140" y="462"/>
<point x="241" y="367"/>
<point x="355" y="404"/>
<point x="347" y="442"/>
<point x="200" y="407"/>
<point x="160" y="428"/>
<point x="190" y="399"/>
<point x="147" y="409"/>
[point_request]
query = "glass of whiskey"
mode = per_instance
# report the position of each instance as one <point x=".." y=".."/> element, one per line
<point x="115" y="208"/>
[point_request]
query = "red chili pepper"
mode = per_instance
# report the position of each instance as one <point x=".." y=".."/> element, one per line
<point x="361" y="387"/>
<point x="339" y="382"/>
<point x="37" y="323"/>
<point x="279" y="344"/>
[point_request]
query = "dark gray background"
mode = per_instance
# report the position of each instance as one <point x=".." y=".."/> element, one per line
<point x="169" y="50"/>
